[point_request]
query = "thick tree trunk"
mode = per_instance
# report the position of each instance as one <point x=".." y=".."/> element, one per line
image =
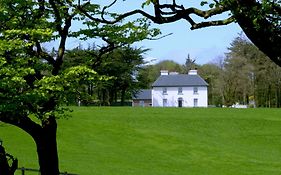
<point x="4" y="166"/>
<point x="265" y="35"/>
<point x="44" y="137"/>
<point x="47" y="148"/>
<point x="123" y="91"/>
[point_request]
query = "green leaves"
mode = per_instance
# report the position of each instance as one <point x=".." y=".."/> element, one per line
<point x="211" y="5"/>
<point x="28" y="82"/>
<point x="69" y="81"/>
<point x="203" y="3"/>
<point x="128" y="33"/>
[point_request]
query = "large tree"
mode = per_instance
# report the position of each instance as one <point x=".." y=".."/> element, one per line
<point x="121" y="64"/>
<point x="33" y="83"/>
<point x="260" y="20"/>
<point x="246" y="76"/>
<point x="258" y="77"/>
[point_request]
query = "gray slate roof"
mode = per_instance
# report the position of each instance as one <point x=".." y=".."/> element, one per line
<point x="179" y="80"/>
<point x="143" y="94"/>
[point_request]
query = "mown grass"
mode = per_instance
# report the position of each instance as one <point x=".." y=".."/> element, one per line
<point x="161" y="141"/>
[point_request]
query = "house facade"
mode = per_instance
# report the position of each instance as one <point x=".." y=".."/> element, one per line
<point x="179" y="90"/>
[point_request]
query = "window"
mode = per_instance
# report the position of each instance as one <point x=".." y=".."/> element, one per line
<point x="195" y="90"/>
<point x="141" y="103"/>
<point x="165" y="102"/>
<point x="164" y="90"/>
<point x="195" y="102"/>
<point x="180" y="90"/>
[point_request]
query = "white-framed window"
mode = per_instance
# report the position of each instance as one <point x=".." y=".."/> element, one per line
<point x="195" y="90"/>
<point x="179" y="90"/>
<point x="164" y="90"/>
<point x="165" y="102"/>
<point x="195" y="102"/>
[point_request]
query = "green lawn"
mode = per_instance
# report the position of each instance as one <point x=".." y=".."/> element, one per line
<point x="161" y="141"/>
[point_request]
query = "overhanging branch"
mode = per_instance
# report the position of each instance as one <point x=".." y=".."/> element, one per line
<point x="213" y="23"/>
<point x="166" y="13"/>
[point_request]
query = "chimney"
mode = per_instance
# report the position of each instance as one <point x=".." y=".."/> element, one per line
<point x="173" y="73"/>
<point x="164" y="72"/>
<point x="192" y="72"/>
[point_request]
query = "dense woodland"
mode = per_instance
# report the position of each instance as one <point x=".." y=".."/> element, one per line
<point x="244" y="75"/>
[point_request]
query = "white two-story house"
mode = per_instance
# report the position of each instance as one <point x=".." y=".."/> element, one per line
<point x="179" y="90"/>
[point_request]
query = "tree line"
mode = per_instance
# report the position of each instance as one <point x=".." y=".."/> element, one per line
<point x="244" y="75"/>
<point x="120" y="66"/>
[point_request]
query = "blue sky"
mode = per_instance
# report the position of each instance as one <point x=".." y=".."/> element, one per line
<point x="204" y="45"/>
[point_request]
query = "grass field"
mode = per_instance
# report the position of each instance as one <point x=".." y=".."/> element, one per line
<point x="161" y="141"/>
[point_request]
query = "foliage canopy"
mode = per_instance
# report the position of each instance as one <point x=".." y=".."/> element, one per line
<point x="32" y="80"/>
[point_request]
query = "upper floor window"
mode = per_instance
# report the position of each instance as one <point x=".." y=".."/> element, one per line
<point x="195" y="90"/>
<point x="164" y="90"/>
<point x="180" y="90"/>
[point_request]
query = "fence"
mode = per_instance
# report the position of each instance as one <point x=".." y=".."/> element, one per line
<point x="23" y="170"/>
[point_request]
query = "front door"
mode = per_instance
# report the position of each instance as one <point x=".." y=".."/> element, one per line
<point x="180" y="102"/>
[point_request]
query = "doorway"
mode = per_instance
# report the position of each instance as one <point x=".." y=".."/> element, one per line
<point x="180" y="100"/>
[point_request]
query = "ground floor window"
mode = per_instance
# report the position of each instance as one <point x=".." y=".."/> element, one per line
<point x="165" y="102"/>
<point x="141" y="103"/>
<point x="195" y="102"/>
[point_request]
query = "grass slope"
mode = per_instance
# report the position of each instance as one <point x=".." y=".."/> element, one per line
<point x="161" y="141"/>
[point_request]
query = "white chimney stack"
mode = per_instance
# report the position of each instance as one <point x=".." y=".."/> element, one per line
<point x="192" y="72"/>
<point x="164" y="72"/>
<point x="173" y="73"/>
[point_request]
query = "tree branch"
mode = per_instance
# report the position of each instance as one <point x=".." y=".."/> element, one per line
<point x="58" y="18"/>
<point x="63" y="32"/>
<point x="213" y="23"/>
<point x="23" y="122"/>
<point x="43" y="54"/>
<point x="177" y="12"/>
<point x="160" y="37"/>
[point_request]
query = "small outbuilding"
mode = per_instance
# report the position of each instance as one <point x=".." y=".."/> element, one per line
<point x="142" y="98"/>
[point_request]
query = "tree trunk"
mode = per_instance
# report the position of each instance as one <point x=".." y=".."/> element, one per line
<point x="44" y="137"/>
<point x="279" y="97"/>
<point x="47" y="148"/>
<point x="4" y="166"/>
<point x="123" y="92"/>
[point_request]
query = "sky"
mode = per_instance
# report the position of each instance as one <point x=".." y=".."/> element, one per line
<point x="204" y="45"/>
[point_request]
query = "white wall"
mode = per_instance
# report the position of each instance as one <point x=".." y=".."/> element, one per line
<point x="172" y="97"/>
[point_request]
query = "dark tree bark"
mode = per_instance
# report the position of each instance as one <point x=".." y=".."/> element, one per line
<point x="4" y="166"/>
<point x="47" y="148"/>
<point x="123" y="92"/>
<point x="45" y="138"/>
